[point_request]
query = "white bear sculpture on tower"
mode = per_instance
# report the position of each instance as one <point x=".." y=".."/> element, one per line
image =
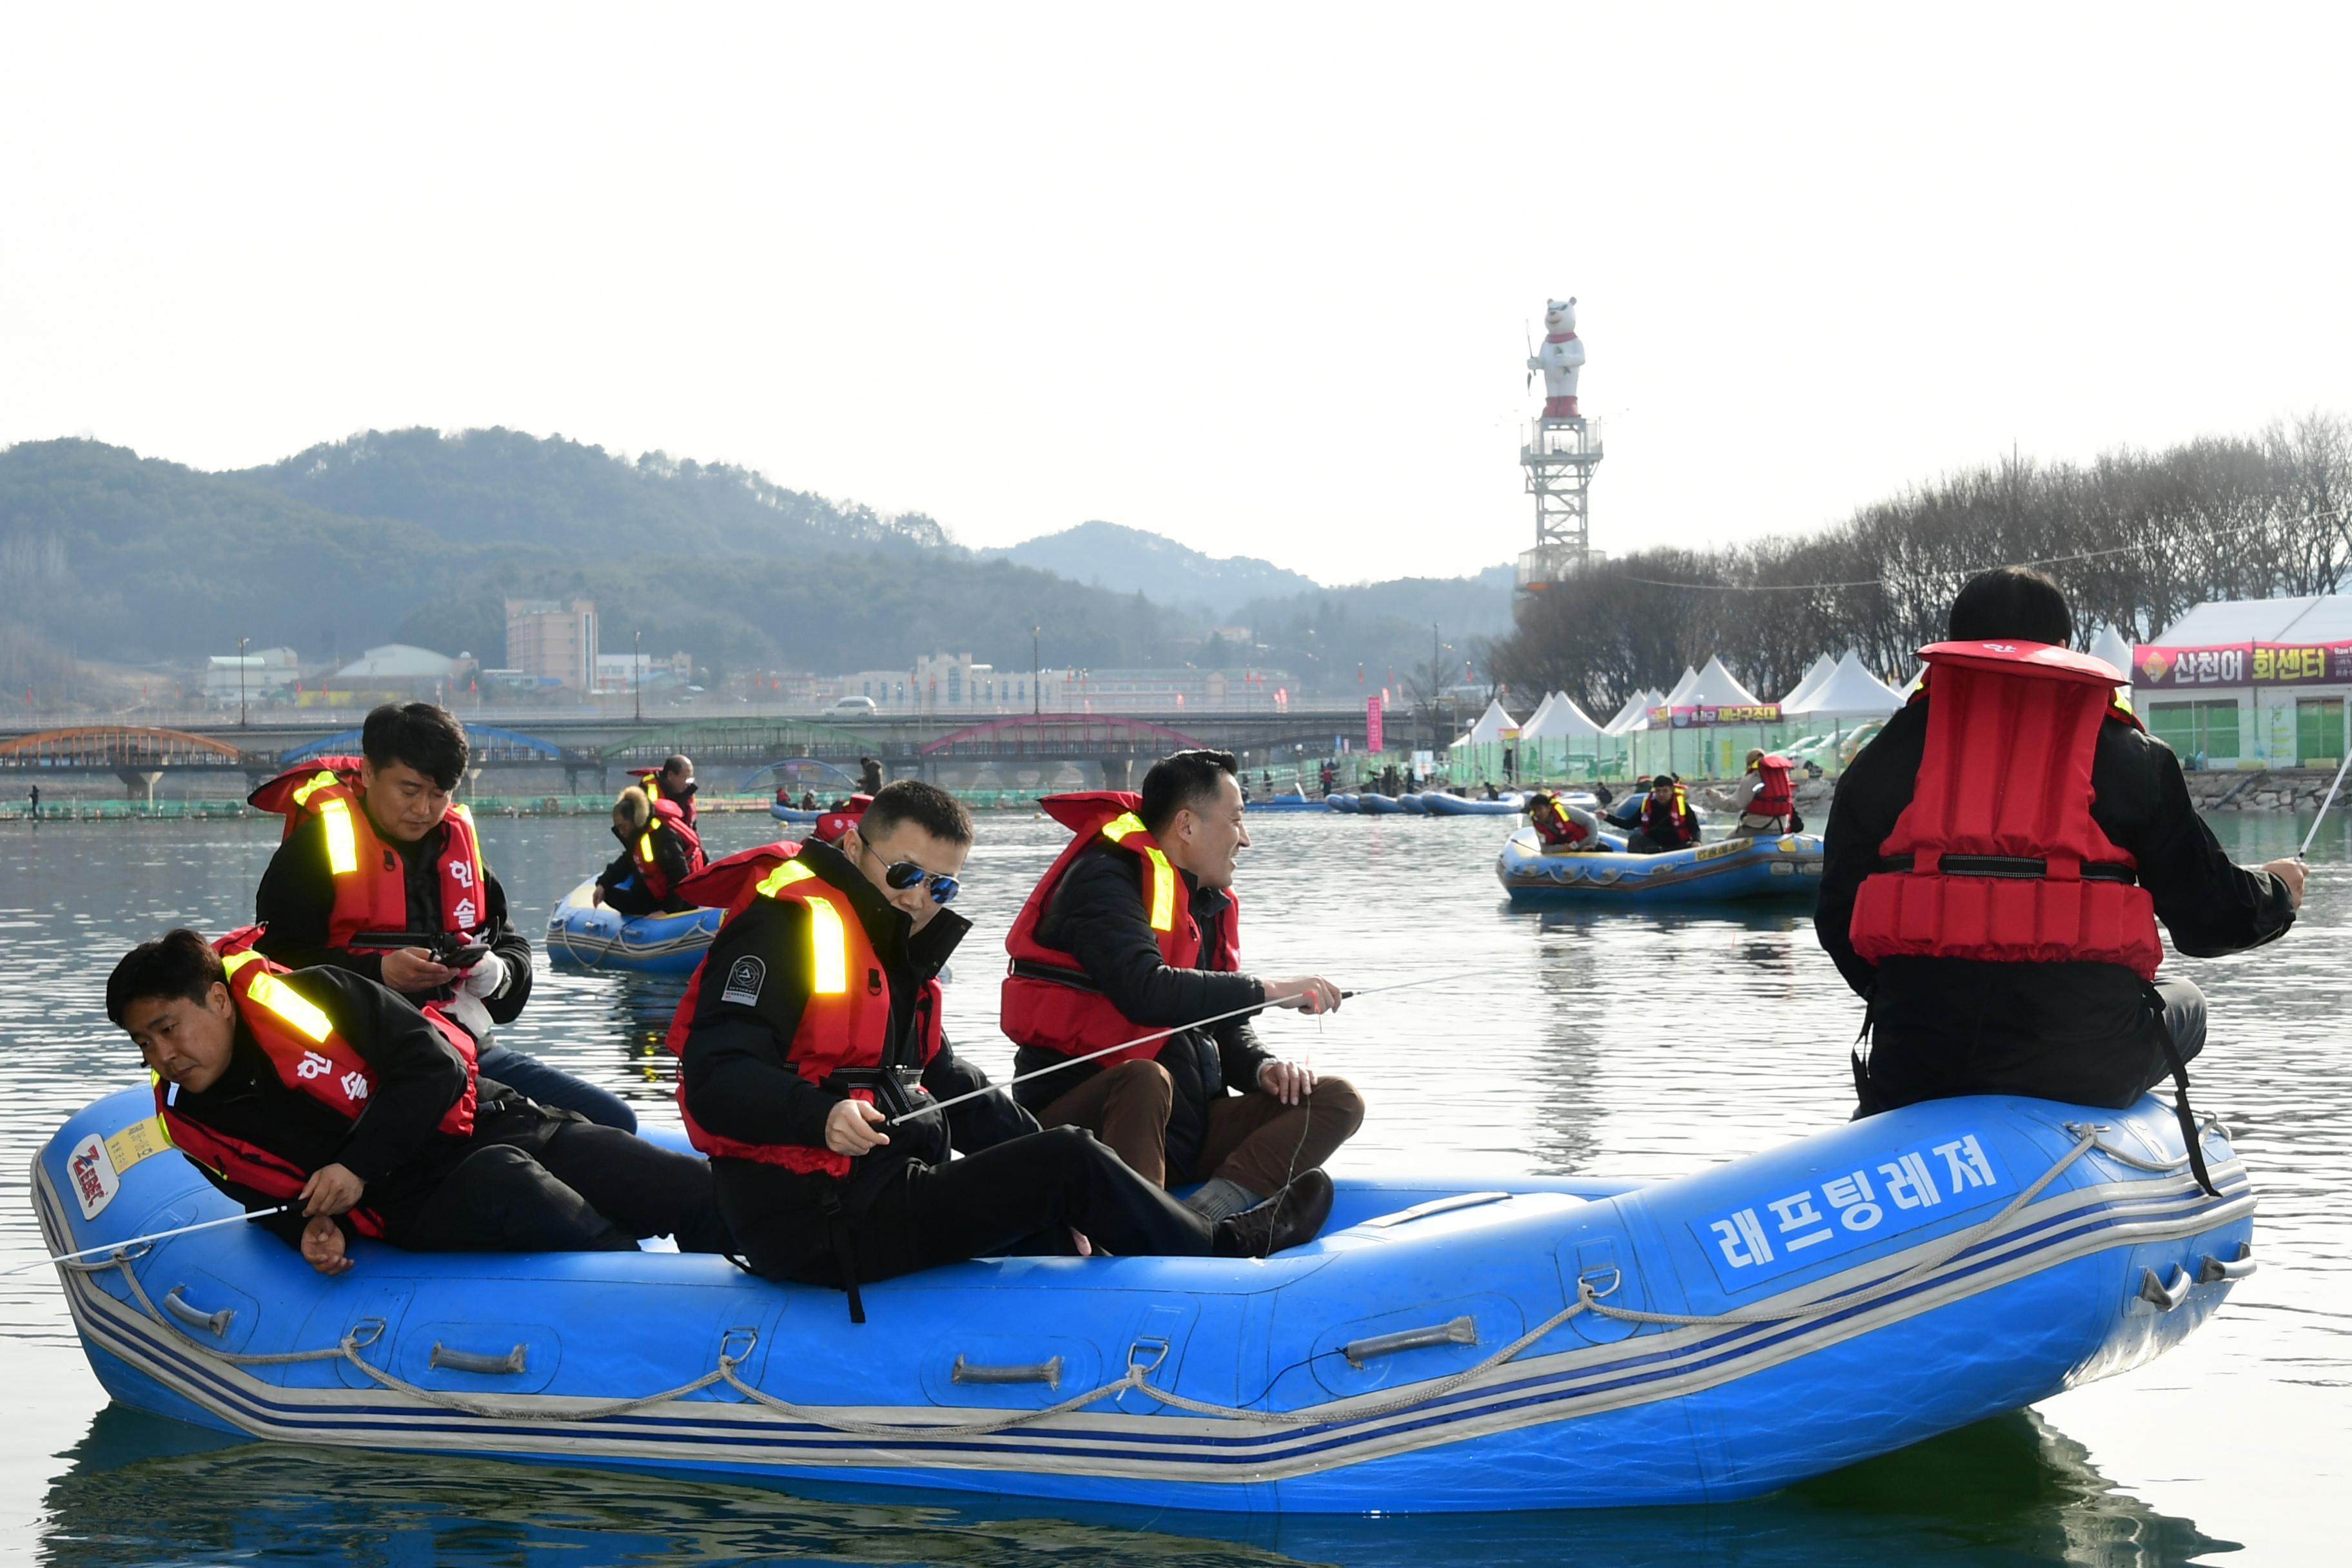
<point x="1562" y="356"/>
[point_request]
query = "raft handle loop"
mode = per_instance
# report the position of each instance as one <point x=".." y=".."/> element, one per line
<point x="2092" y="1130"/>
<point x="371" y="1328"/>
<point x="1136" y="1367"/>
<point x="130" y="1254"/>
<point x="1462" y="1331"/>
<point x="1584" y="1281"/>
<point x="216" y="1323"/>
<point x="728" y="1355"/>
<point x="2164" y="1297"/>
<point x="2212" y="1271"/>
<point x="508" y="1365"/>
<point x="1047" y="1371"/>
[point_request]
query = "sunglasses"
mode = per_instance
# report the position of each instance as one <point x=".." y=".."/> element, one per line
<point x="901" y="875"/>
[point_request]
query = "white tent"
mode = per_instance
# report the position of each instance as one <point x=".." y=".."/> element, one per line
<point x="1680" y="695"/>
<point x="1635" y="714"/>
<point x="1850" y="691"/>
<point x="1815" y="673"/>
<point x="1528" y="729"/>
<point x="2110" y="645"/>
<point x="1560" y="719"/>
<point x="1491" y="724"/>
<point x="1715" y="687"/>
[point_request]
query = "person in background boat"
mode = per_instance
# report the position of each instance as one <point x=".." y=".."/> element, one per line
<point x="384" y="848"/>
<point x="870" y="776"/>
<point x="658" y="852"/>
<point x="1492" y="793"/>
<point x="321" y="1088"/>
<point x="1666" y="822"/>
<point x="672" y="782"/>
<point x="1561" y="826"/>
<point x="808" y="800"/>
<point x="1769" y="798"/>
<point x="1956" y="1009"/>
<point x="618" y="888"/>
<point x="1135" y="928"/>
<point x="816" y="1016"/>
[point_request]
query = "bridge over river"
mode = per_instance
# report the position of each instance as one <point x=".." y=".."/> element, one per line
<point x="595" y="752"/>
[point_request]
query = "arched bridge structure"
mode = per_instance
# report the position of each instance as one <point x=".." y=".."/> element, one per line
<point x="95" y="748"/>
<point x="484" y="743"/>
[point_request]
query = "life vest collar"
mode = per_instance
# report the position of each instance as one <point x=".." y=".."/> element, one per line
<point x="2019" y="657"/>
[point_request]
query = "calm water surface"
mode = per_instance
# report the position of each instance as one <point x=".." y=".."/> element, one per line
<point x="1646" y="1046"/>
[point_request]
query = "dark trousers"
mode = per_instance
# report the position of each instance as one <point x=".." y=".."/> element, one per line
<point x="1020" y="1198"/>
<point x="1253" y="1139"/>
<point x="552" y="1087"/>
<point x="2112" y="1073"/>
<point x="536" y="1183"/>
<point x="1641" y="843"/>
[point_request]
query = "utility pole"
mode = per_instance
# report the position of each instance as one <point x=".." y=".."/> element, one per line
<point x="636" y="672"/>
<point x="1036" y="698"/>
<point x="240" y="681"/>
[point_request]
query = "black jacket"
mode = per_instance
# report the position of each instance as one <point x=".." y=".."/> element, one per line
<point x="296" y="906"/>
<point x="737" y="1058"/>
<point x="393" y="1145"/>
<point x="2083" y="1033"/>
<point x="624" y="887"/>
<point x="1097" y="917"/>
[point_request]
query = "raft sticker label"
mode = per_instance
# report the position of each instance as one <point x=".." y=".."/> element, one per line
<point x="1781" y="1233"/>
<point x="135" y="1142"/>
<point x="744" y="980"/>
<point x="90" y="1171"/>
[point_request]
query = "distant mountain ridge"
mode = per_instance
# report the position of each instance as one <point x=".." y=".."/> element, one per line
<point x="1130" y="561"/>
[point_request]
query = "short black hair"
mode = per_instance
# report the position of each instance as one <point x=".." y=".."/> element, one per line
<point x="927" y="805"/>
<point x="1180" y="782"/>
<point x="2011" y="602"/>
<point x="177" y="964"/>
<point x="418" y="735"/>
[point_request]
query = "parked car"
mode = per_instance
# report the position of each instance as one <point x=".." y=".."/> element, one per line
<point x="849" y="705"/>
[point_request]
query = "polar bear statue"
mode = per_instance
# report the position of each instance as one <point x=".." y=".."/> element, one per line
<point x="1560" y="359"/>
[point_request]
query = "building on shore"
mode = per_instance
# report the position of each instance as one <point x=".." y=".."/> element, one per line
<point x="395" y="672"/>
<point x="553" y="643"/>
<point x="234" y="678"/>
<point x="2250" y="683"/>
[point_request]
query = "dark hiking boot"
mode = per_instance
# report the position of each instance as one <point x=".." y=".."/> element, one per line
<point x="1290" y="1218"/>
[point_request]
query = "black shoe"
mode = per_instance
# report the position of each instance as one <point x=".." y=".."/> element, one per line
<point x="1290" y="1218"/>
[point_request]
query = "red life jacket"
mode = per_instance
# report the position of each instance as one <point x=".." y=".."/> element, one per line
<point x="1997" y="856"/>
<point x="311" y="1057"/>
<point x="668" y="818"/>
<point x="834" y="824"/>
<point x="1048" y="1001"/>
<point x="845" y="1029"/>
<point x="650" y="780"/>
<point x="1779" y="795"/>
<point x="371" y="882"/>
<point x="1554" y="826"/>
<point x="1679" y="826"/>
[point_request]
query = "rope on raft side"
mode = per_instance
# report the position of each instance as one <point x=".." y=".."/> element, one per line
<point x="1138" y="1377"/>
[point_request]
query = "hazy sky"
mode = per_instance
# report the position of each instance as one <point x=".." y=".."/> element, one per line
<point x="1256" y="278"/>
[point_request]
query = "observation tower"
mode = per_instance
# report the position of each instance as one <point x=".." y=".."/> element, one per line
<point x="1563" y="448"/>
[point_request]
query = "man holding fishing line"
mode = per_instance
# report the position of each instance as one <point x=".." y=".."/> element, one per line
<point x="816" y="1073"/>
<point x="1136" y="928"/>
<point x="1997" y="863"/>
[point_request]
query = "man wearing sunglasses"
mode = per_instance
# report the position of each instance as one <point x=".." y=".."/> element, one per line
<point x="816" y="1021"/>
<point x="1136" y="928"/>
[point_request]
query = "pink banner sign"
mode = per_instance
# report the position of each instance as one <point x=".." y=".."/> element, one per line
<point x="1688" y="718"/>
<point x="1371" y="723"/>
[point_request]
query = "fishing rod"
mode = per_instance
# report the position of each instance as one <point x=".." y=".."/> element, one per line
<point x="150" y="1236"/>
<point x="1178" y="1029"/>
<point x="2324" y="805"/>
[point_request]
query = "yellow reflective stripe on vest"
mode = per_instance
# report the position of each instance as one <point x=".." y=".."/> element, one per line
<point x="646" y="844"/>
<point x="782" y="877"/>
<point x="828" y="947"/>
<point x="1162" y="875"/>
<point x="343" y="844"/>
<point x="318" y="782"/>
<point x="298" y="1012"/>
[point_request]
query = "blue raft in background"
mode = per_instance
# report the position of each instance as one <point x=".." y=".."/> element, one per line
<point x="1523" y="1344"/>
<point x="582" y="934"/>
<point x="1729" y="868"/>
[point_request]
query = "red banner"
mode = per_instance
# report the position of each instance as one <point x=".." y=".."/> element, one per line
<point x="2162" y="668"/>
<point x="1371" y="723"/>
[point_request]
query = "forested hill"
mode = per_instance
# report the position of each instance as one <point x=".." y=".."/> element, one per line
<point x="415" y="536"/>
<point x="502" y="485"/>
<point x="1130" y="561"/>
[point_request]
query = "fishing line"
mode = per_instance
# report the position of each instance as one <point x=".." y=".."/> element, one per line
<point x="1178" y="1029"/>
<point x="151" y="1236"/>
<point x="2324" y="805"/>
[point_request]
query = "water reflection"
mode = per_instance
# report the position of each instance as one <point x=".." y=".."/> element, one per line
<point x="138" y="1490"/>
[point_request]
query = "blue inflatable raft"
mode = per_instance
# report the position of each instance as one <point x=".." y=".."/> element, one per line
<point x="582" y="934"/>
<point x="784" y="813"/>
<point x="1786" y="866"/>
<point x="1347" y="802"/>
<point x="1438" y="805"/>
<point x="1521" y="1343"/>
<point x="1372" y="805"/>
<point x="1289" y="802"/>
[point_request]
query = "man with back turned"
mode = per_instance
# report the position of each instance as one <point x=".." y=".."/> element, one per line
<point x="1996" y="865"/>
